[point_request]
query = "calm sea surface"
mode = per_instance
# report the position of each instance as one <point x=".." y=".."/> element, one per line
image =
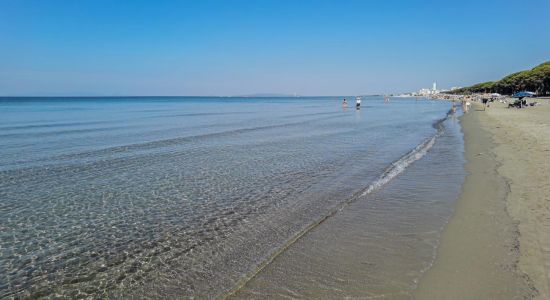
<point x="171" y="197"/>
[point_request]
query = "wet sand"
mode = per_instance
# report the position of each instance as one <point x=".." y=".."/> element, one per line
<point x="497" y="244"/>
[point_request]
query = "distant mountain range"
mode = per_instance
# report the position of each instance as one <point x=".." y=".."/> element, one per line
<point x="259" y="95"/>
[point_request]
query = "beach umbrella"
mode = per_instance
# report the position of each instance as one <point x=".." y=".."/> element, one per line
<point x="524" y="94"/>
<point x="521" y="95"/>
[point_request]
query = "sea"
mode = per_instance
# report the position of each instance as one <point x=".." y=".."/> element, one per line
<point x="208" y="197"/>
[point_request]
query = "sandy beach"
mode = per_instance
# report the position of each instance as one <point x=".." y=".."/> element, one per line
<point x="497" y="244"/>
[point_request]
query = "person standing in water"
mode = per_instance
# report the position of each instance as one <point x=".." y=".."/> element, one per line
<point x="344" y="103"/>
<point x="358" y="103"/>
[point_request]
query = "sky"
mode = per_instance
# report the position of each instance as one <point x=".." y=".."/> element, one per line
<point x="236" y="47"/>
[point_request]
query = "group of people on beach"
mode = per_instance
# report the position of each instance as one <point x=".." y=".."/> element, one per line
<point x="357" y="103"/>
<point x="464" y="104"/>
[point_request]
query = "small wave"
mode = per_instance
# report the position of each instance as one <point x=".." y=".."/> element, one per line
<point x="62" y="132"/>
<point x="395" y="168"/>
<point x="400" y="165"/>
<point x="198" y="114"/>
<point x="50" y="125"/>
<point x="179" y="140"/>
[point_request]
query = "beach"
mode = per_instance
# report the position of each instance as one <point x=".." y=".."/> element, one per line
<point x="497" y="244"/>
<point x="274" y="150"/>
<point x="165" y="200"/>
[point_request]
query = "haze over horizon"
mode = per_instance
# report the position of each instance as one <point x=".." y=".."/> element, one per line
<point x="310" y="48"/>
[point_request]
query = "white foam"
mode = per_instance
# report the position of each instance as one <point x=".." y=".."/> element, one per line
<point x="400" y="165"/>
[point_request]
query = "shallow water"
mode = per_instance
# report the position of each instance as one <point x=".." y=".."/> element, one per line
<point x="380" y="244"/>
<point x="164" y="197"/>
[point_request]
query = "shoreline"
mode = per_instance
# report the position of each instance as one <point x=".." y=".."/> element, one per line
<point x="330" y="261"/>
<point x="394" y="169"/>
<point x="497" y="243"/>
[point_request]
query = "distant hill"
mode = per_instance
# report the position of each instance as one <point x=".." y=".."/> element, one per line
<point x="535" y="80"/>
<point x="269" y="95"/>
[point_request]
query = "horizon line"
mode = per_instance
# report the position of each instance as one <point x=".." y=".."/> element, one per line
<point x="195" y="96"/>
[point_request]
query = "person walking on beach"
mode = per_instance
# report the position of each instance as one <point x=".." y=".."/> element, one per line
<point x="485" y="102"/>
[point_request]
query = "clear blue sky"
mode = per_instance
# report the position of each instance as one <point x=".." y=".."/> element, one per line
<point x="241" y="47"/>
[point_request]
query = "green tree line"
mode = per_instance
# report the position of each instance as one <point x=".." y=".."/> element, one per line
<point x="535" y="80"/>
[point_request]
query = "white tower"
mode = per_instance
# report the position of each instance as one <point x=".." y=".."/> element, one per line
<point x="434" y="87"/>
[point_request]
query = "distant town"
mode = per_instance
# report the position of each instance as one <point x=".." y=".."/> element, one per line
<point x="426" y="92"/>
